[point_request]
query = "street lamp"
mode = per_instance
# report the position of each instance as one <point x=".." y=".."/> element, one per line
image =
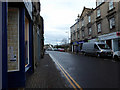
<point x="68" y="35"/>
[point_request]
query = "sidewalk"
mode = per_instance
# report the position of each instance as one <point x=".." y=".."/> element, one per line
<point x="46" y="75"/>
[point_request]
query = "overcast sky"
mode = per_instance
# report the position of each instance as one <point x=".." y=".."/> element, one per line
<point x="59" y="16"/>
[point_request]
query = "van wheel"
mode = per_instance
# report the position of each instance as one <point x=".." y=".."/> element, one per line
<point x="98" y="55"/>
<point x="116" y="58"/>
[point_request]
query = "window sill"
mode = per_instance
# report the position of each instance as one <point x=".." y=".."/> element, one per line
<point x="111" y="10"/>
<point x="99" y="32"/>
<point x="111" y="29"/>
<point x="98" y="17"/>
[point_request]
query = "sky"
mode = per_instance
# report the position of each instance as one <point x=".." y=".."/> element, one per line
<point x="59" y="16"/>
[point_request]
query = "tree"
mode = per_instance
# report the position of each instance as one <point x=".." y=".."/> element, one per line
<point x="64" y="41"/>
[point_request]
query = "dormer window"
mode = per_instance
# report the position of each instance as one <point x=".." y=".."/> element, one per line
<point x="111" y="4"/>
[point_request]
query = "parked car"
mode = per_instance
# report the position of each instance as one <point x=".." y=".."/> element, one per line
<point x="61" y="49"/>
<point x="55" y="49"/>
<point x="116" y="55"/>
<point x="96" y="48"/>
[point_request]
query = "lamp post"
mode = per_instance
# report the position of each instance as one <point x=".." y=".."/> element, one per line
<point x="68" y="35"/>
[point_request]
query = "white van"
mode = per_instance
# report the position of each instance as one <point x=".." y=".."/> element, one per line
<point x="96" y="48"/>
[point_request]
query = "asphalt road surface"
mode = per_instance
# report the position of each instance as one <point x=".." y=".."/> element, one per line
<point x="88" y="71"/>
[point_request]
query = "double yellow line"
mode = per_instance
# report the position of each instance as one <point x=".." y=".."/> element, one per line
<point x="73" y="83"/>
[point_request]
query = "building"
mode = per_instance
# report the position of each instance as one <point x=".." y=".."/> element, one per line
<point x="99" y="24"/>
<point x="18" y="31"/>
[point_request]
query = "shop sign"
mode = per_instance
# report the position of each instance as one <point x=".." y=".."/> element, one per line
<point x="108" y="36"/>
<point x="75" y="43"/>
<point x="118" y="33"/>
<point x="81" y="42"/>
<point x="28" y="5"/>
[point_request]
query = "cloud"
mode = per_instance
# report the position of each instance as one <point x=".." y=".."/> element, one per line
<point x="60" y="15"/>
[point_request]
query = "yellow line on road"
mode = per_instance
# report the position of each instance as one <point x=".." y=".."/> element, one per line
<point x="71" y="77"/>
<point x="67" y="78"/>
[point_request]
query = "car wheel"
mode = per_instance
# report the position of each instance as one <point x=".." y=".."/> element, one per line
<point x="84" y="53"/>
<point x="116" y="58"/>
<point x="98" y="55"/>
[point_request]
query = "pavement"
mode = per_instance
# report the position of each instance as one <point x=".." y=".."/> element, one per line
<point x="46" y="75"/>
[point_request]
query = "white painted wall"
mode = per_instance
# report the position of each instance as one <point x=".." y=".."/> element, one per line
<point x="0" y="45"/>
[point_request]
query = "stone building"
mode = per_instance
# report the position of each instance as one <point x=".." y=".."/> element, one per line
<point x="99" y="24"/>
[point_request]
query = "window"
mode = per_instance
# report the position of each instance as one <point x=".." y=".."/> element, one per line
<point x="89" y="19"/>
<point x="112" y="23"/>
<point x="111" y="4"/>
<point x="98" y="13"/>
<point x="78" y="26"/>
<point x="89" y="31"/>
<point x="78" y="35"/>
<point x="83" y="34"/>
<point x="13" y="39"/>
<point x="99" y="27"/>
<point x="26" y="41"/>
<point x="74" y="36"/>
<point x="82" y="22"/>
<point x="96" y="47"/>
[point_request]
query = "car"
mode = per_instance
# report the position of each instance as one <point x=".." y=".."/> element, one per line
<point x="96" y="48"/>
<point x="55" y="49"/>
<point x="61" y="49"/>
<point x="116" y="55"/>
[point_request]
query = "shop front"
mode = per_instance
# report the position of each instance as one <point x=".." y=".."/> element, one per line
<point x="16" y="43"/>
<point x="112" y="40"/>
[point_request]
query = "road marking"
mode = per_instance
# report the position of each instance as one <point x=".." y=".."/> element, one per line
<point x="69" y="78"/>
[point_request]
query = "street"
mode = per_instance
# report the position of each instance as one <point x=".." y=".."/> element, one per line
<point x="88" y="71"/>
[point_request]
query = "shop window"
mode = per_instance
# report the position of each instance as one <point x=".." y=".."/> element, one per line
<point x="26" y="42"/>
<point x="13" y="39"/>
<point x="112" y="23"/>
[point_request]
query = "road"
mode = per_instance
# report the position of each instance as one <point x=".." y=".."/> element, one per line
<point x="89" y="72"/>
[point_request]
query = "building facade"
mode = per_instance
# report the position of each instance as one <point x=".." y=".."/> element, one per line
<point x="18" y="42"/>
<point x="99" y="24"/>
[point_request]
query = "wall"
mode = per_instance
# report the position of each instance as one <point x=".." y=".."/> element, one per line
<point x="0" y="45"/>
